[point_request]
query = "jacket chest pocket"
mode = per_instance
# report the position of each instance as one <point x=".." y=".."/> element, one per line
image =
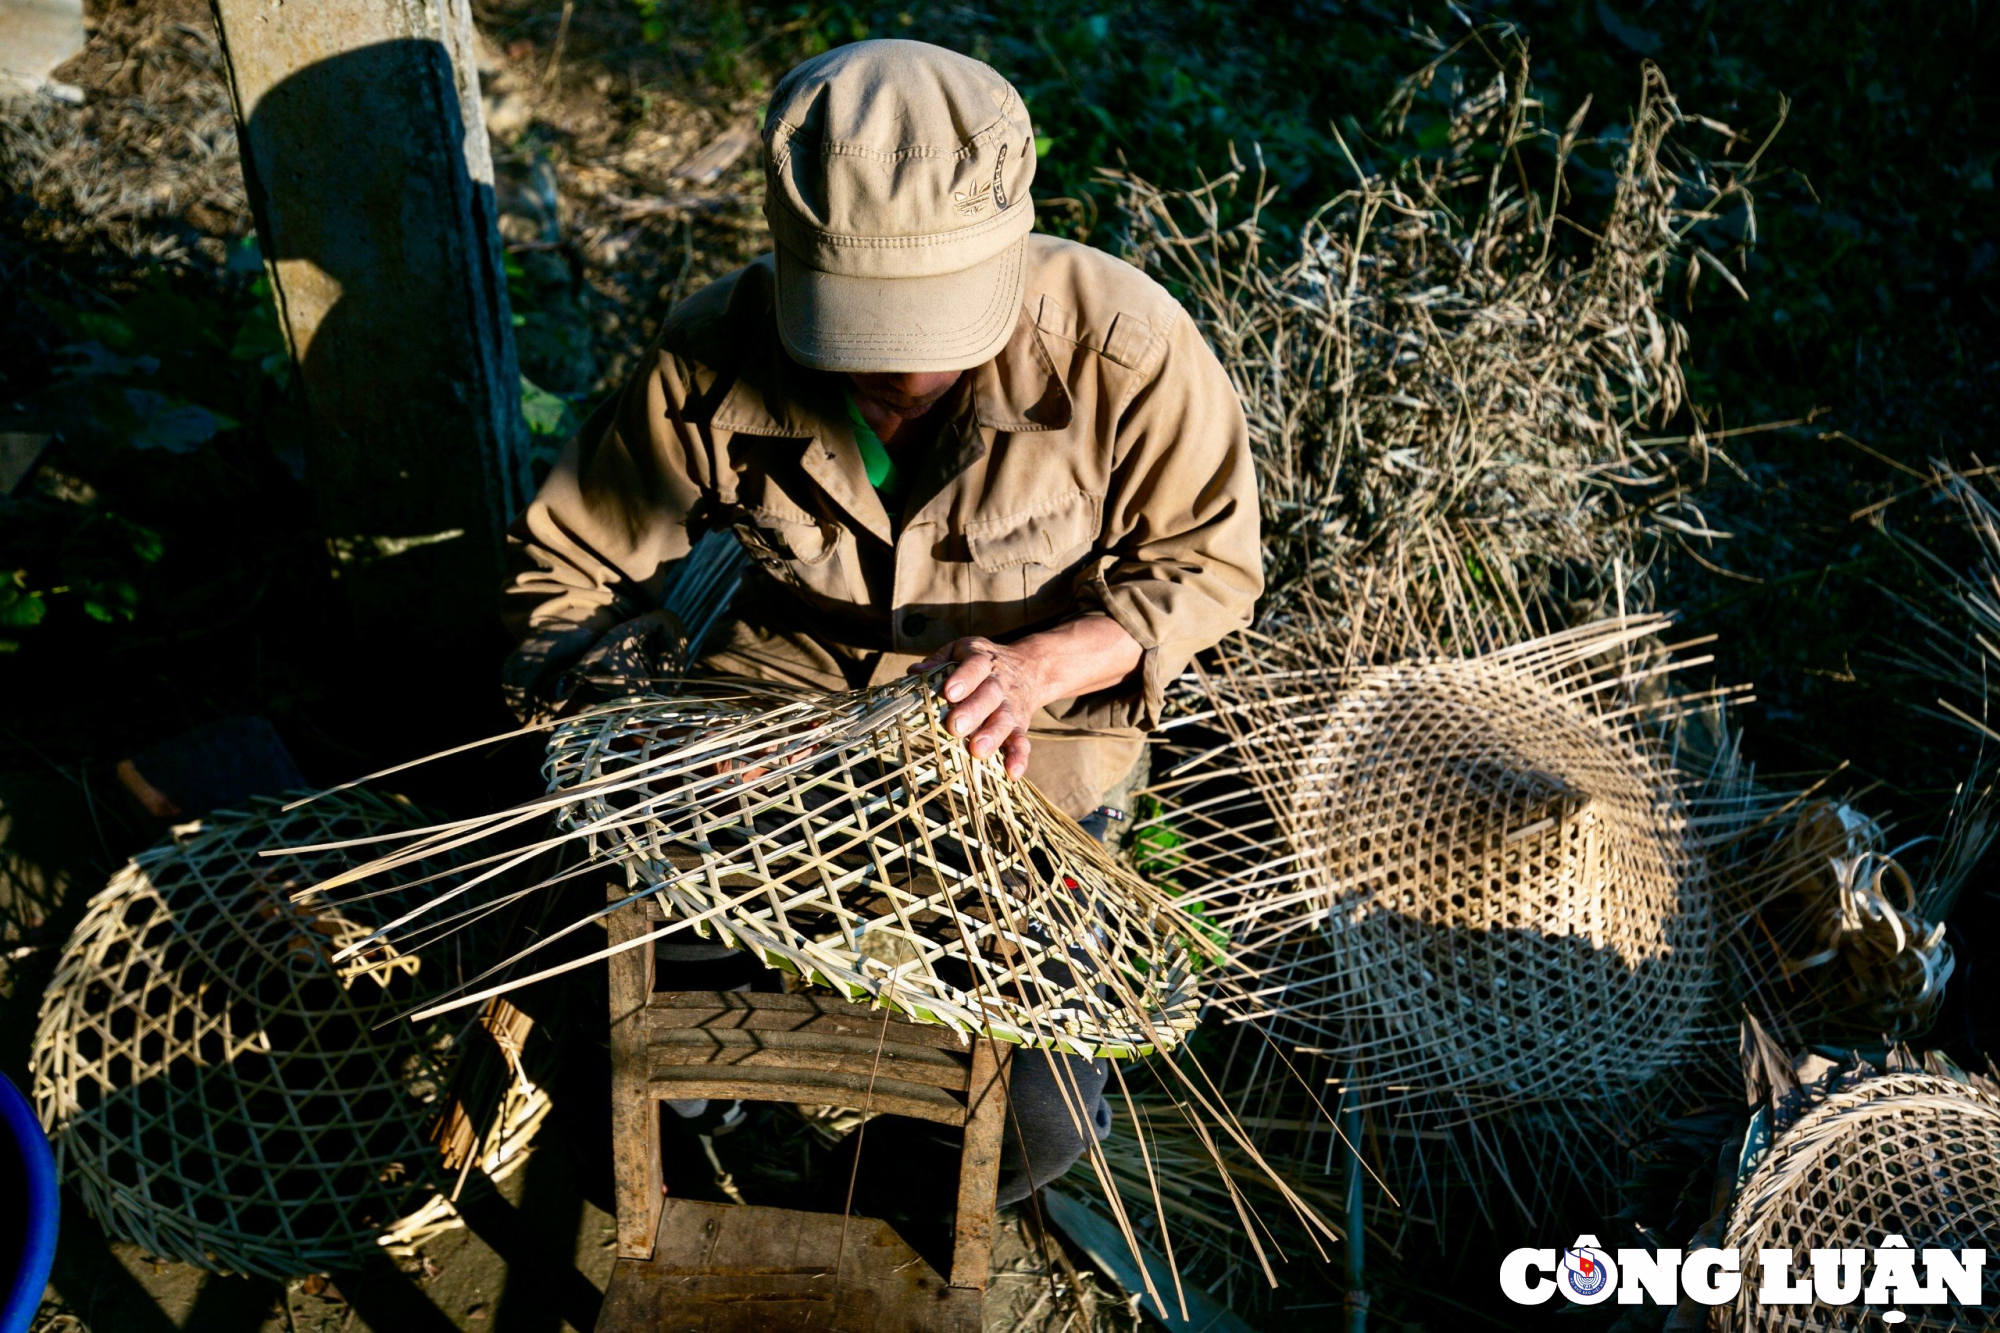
<point x="783" y="542"/>
<point x="1023" y="553"/>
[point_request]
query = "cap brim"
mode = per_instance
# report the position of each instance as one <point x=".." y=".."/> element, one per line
<point x="952" y="321"/>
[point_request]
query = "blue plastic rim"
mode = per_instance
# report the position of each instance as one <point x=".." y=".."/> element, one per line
<point x="28" y="1194"/>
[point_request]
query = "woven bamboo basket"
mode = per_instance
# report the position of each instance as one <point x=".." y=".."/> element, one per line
<point x="849" y="841"/>
<point x="1471" y="900"/>
<point x="1909" y="1154"/>
<point x="221" y="1091"/>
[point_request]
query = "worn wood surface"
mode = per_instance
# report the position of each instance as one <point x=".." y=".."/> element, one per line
<point x="890" y="1097"/>
<point x="635" y="1126"/>
<point x="689" y="1265"/>
<point x="811" y="1049"/>
<point x="979" y="1169"/>
<point x="728" y="1268"/>
<point x="807" y="1052"/>
<point x="797" y="1013"/>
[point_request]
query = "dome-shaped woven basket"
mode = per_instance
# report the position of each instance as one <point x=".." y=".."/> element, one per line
<point x="1465" y="878"/>
<point x="1908" y="1154"/>
<point x="221" y="1091"/>
<point x="849" y="839"/>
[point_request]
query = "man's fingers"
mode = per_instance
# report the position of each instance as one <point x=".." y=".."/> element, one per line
<point x="988" y="738"/>
<point x="969" y="715"/>
<point x="995" y="731"/>
<point x="971" y="674"/>
<point x="982" y="712"/>
<point x="1016" y="754"/>
<point x="957" y="650"/>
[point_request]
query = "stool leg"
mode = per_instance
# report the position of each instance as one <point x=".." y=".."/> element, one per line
<point x="635" y="1126"/>
<point x="979" y="1170"/>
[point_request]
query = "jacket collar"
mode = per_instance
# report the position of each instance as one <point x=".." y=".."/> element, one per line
<point x="1017" y="392"/>
<point x="1021" y="390"/>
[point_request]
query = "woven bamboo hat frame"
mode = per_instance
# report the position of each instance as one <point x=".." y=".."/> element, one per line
<point x="847" y="838"/>
<point x="1470" y="890"/>
<point x="1480" y="882"/>
<point x="1907" y="1154"/>
<point x="220" y="1090"/>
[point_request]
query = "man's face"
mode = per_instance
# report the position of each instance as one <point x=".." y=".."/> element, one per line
<point x="905" y="393"/>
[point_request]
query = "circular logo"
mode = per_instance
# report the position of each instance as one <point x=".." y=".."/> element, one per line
<point x="1587" y="1275"/>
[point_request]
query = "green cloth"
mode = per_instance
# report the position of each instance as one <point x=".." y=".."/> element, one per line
<point x="883" y="474"/>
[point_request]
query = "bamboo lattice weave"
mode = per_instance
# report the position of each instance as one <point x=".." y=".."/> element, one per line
<point x="1908" y="1154"/>
<point x="1470" y="883"/>
<point x="845" y="838"/>
<point x="222" y="1090"/>
<point x="850" y="840"/>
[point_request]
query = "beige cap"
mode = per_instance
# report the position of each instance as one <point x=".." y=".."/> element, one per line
<point x="897" y="191"/>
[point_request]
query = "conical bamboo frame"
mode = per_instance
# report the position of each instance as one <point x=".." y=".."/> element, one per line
<point x="849" y="839"/>
<point x="1468" y="888"/>
<point x="889" y="865"/>
<point x="1813" y="927"/>
<point x="221" y="1089"/>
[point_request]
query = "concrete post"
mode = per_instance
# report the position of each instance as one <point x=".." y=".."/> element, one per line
<point x="372" y="187"/>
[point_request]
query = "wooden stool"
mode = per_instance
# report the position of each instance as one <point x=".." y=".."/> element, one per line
<point x="719" y="1268"/>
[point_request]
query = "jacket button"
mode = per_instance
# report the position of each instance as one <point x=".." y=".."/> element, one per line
<point x="915" y="622"/>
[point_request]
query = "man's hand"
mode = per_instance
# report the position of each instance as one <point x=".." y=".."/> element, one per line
<point x="997" y="687"/>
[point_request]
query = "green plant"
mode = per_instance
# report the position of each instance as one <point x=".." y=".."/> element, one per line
<point x="1154" y="843"/>
<point x="58" y="555"/>
<point x="165" y="370"/>
<point x="160" y="374"/>
<point x="551" y="419"/>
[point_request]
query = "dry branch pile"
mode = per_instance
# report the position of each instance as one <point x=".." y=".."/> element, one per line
<point x="1442" y="396"/>
<point x="147" y="167"/>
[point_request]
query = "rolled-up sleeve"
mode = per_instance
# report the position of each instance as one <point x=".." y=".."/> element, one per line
<point x="1185" y="562"/>
<point x="593" y="548"/>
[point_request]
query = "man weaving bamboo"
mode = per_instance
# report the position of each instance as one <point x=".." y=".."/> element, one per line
<point x="942" y="438"/>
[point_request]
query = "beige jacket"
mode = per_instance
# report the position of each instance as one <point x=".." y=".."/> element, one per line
<point x="1100" y="463"/>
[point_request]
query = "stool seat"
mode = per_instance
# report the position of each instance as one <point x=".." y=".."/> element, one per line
<point x="735" y="1268"/>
